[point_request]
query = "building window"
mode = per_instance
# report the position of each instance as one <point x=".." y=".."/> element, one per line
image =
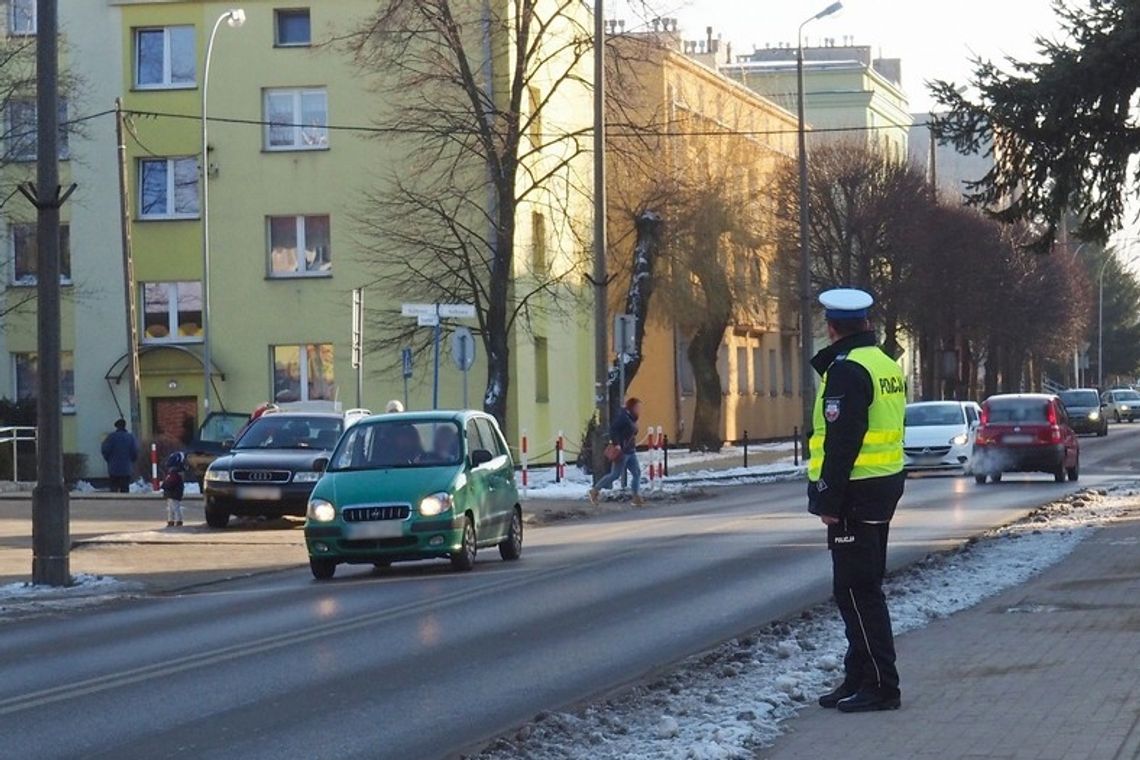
<point x="21" y="17"/>
<point x="25" y="258"/>
<point x="299" y="246"/>
<point x="541" y="370"/>
<point x="22" y="131"/>
<point x="168" y="188"/>
<point x="303" y="373"/>
<point x="773" y="372"/>
<point x="534" y="101"/>
<point x="538" y="242"/>
<point x="296" y="119"/>
<point x="292" y="27"/>
<point x="742" y="384"/>
<point x="165" y="58"/>
<point x="786" y="361"/>
<point x="757" y="370"/>
<point x="172" y="312"/>
<point x="25" y="367"/>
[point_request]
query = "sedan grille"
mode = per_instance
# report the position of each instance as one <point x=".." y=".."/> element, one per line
<point x="379" y="512"/>
<point x="927" y="451"/>
<point x="262" y="476"/>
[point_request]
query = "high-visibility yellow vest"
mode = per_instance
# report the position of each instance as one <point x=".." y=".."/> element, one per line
<point x="882" y="451"/>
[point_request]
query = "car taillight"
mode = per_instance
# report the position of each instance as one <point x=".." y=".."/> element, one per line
<point x="1056" y="433"/>
<point x="985" y="415"/>
<point x="983" y="438"/>
<point x="1051" y="414"/>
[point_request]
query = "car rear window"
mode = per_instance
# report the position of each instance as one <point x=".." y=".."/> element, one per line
<point x="930" y="415"/>
<point x="1018" y="410"/>
<point x="1080" y="398"/>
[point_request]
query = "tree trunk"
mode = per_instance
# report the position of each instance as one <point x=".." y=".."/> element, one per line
<point x="703" y="351"/>
<point x="646" y="252"/>
<point x="495" y="338"/>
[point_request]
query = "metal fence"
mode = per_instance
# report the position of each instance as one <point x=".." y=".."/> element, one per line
<point x="13" y="437"/>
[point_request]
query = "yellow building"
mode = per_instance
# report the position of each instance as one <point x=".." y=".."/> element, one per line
<point x="291" y="159"/>
<point x="684" y="120"/>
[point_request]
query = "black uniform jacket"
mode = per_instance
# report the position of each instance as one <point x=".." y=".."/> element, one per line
<point x="847" y="397"/>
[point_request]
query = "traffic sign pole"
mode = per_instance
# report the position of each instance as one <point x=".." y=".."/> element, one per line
<point x="435" y="378"/>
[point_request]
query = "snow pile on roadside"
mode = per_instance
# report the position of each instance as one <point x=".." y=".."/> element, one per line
<point x="729" y="702"/>
<point x="85" y="590"/>
<point x="577" y="483"/>
<point x="84" y="487"/>
<point x="141" y="486"/>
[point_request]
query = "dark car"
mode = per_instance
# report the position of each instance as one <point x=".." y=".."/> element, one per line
<point x="272" y="467"/>
<point x="1085" y="413"/>
<point x="1025" y="432"/>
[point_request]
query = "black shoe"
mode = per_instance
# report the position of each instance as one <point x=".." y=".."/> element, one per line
<point x="868" y="701"/>
<point x="843" y="691"/>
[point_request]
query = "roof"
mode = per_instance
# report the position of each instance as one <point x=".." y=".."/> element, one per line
<point x="430" y="415"/>
<point x="1026" y="396"/>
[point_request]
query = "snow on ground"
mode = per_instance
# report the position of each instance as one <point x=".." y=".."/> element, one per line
<point x="730" y="701"/>
<point x="683" y="457"/>
<point x="577" y="483"/>
<point x="85" y="591"/>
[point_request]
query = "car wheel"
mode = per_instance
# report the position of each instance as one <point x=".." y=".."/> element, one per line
<point x="464" y="559"/>
<point x="1116" y="417"/>
<point x="1074" y="472"/>
<point x="996" y="477"/>
<point x="322" y="568"/>
<point x="510" y="548"/>
<point x="1102" y="432"/>
<point x="980" y="479"/>
<point x="1059" y="474"/>
<point x="217" y="518"/>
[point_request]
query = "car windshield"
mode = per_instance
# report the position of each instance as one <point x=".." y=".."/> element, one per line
<point x="1018" y="410"/>
<point x="291" y="432"/>
<point x="398" y="443"/>
<point x="1127" y="396"/>
<point x="1080" y="398"/>
<point x="929" y="415"/>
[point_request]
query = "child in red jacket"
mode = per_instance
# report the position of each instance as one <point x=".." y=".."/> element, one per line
<point x="174" y="488"/>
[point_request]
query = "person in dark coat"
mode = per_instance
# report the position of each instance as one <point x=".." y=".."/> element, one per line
<point x="120" y="452"/>
<point x="623" y="433"/>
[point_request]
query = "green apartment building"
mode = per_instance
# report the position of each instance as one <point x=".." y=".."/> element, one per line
<point x="287" y="183"/>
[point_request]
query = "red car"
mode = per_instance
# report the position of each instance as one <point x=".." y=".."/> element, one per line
<point x="1025" y="432"/>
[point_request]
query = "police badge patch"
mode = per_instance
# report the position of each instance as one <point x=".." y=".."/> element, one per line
<point x="831" y="409"/>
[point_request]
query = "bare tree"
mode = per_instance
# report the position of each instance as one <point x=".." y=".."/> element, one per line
<point x="470" y="92"/>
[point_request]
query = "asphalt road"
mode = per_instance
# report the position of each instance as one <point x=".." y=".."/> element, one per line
<point x="421" y="663"/>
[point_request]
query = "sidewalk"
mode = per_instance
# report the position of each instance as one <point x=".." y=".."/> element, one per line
<point x="1048" y="670"/>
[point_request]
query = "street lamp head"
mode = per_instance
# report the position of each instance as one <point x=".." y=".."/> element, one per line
<point x="235" y="17"/>
<point x="833" y="8"/>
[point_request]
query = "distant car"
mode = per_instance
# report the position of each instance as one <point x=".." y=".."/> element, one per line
<point x="1027" y="432"/>
<point x="272" y="467"/>
<point x="940" y="435"/>
<point x="1121" y="405"/>
<point x="415" y="486"/>
<point x="1085" y="412"/>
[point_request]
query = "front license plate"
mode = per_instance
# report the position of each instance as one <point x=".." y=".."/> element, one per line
<point x="377" y="529"/>
<point x="1015" y="440"/>
<point x="256" y="493"/>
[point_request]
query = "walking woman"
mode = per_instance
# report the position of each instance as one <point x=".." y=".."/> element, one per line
<point x="623" y="434"/>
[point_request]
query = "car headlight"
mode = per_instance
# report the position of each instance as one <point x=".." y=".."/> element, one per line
<point x="306" y="477"/>
<point x="1094" y="416"/>
<point x="218" y="476"/>
<point x="436" y="504"/>
<point x="1125" y="407"/>
<point x="321" y="511"/>
<point x="959" y="440"/>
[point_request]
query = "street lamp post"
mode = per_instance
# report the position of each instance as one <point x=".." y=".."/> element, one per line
<point x="234" y="18"/>
<point x="1100" y="317"/>
<point x="807" y="381"/>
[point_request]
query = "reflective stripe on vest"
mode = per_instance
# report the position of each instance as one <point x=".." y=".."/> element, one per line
<point x="882" y="451"/>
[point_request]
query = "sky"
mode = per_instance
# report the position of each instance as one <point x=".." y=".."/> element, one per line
<point x="934" y="38"/>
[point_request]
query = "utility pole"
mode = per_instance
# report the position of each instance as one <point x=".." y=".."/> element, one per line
<point x="600" y="277"/>
<point x="51" y="542"/>
<point x="129" y="295"/>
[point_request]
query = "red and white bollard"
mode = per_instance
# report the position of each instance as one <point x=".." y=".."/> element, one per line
<point x="651" y="451"/>
<point x="559" y="458"/>
<point x="660" y="456"/>
<point x="154" y="481"/>
<point x="523" y="459"/>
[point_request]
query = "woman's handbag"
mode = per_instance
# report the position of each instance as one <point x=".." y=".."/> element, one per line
<point x="612" y="452"/>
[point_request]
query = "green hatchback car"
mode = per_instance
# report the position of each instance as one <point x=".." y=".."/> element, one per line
<point x="414" y="486"/>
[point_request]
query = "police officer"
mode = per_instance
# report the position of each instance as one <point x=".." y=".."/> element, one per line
<point x="855" y="482"/>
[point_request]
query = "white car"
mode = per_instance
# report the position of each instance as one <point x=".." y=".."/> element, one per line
<point x="940" y="435"/>
<point x="1121" y="404"/>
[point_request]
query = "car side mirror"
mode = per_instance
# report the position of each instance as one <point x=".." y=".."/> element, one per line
<point x="480" y="457"/>
<point x="227" y="444"/>
<point x="320" y="464"/>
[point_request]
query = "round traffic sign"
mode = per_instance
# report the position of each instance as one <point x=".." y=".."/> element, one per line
<point x="463" y="348"/>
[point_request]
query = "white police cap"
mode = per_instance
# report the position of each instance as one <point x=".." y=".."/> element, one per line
<point x="846" y="303"/>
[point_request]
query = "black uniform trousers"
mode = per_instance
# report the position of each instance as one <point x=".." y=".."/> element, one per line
<point x="859" y="562"/>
